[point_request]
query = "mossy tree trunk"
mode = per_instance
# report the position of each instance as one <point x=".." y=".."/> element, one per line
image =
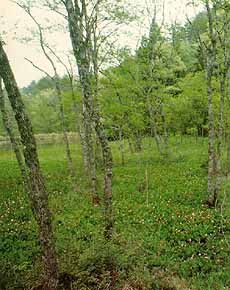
<point x="38" y="195"/>
<point x="81" y="41"/>
<point x="14" y="142"/>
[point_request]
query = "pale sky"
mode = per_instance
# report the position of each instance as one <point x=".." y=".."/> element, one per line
<point x="11" y="15"/>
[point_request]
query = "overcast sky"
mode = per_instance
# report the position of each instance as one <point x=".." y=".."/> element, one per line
<point x="11" y="15"/>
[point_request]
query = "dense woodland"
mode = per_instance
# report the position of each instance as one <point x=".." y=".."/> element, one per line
<point x="115" y="164"/>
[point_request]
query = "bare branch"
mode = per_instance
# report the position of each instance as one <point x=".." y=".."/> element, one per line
<point x="39" y="68"/>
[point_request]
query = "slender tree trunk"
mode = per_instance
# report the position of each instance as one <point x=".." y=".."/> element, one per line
<point x="95" y="164"/>
<point x="85" y="153"/>
<point x="211" y="60"/>
<point x="130" y="145"/>
<point x="228" y="152"/>
<point x="211" y="133"/>
<point x="79" y="128"/>
<point x="81" y="53"/>
<point x="82" y="56"/>
<point x="65" y="133"/>
<point x="138" y="141"/>
<point x="13" y="140"/>
<point x="84" y="150"/>
<point x="166" y="138"/>
<point x="89" y="159"/>
<point x="121" y="147"/>
<point x="38" y="195"/>
<point x="228" y="128"/>
<point x="108" y="174"/>
<point x="219" y="144"/>
<point x="89" y="151"/>
<point x="154" y="128"/>
<point x="98" y="153"/>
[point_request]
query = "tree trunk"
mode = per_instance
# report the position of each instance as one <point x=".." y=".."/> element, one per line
<point x="92" y="115"/>
<point x="38" y="195"/>
<point x="217" y="188"/>
<point x="108" y="174"/>
<point x="13" y="140"/>
<point x="84" y="150"/>
<point x="211" y="60"/>
<point x="90" y="162"/>
<point x="121" y="147"/>
<point x="211" y="133"/>
<point x="89" y="148"/>
<point x="228" y="128"/>
<point x="228" y="152"/>
<point x="80" y="130"/>
<point x="81" y="53"/>
<point x="138" y="141"/>
<point x="65" y="133"/>
<point x="154" y="128"/>
<point x="130" y="145"/>
<point x="98" y="153"/>
<point x="166" y="138"/>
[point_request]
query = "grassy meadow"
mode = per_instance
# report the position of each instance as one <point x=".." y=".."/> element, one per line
<point x="166" y="237"/>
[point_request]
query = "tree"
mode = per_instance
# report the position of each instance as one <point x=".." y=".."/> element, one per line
<point x="47" y="50"/>
<point x="38" y="195"/>
<point x="15" y="144"/>
<point x="212" y="44"/>
<point x="81" y="37"/>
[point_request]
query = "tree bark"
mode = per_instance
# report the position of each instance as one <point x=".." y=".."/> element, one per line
<point x="38" y="195"/>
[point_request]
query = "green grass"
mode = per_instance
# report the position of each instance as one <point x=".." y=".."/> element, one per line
<point x="165" y="235"/>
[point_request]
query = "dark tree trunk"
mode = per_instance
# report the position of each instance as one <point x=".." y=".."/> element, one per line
<point x="38" y="195"/>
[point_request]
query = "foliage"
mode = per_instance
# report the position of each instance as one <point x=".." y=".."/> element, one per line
<point x="162" y="231"/>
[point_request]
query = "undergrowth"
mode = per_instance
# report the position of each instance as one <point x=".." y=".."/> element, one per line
<point x="165" y="236"/>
